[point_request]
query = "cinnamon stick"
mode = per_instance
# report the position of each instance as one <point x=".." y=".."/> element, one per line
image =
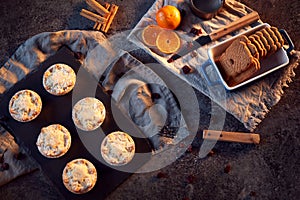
<point x="113" y="12"/>
<point x="92" y="16"/>
<point x="97" y="25"/>
<point x="98" y="7"/>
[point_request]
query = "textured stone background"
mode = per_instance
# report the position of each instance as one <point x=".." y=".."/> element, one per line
<point x="267" y="171"/>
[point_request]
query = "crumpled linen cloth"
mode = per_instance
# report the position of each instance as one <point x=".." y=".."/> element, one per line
<point x="40" y="47"/>
<point x="17" y="167"/>
<point x="248" y="104"/>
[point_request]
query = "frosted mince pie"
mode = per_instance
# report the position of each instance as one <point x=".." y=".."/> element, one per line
<point x="117" y="148"/>
<point x="25" y="105"/>
<point x="59" y="79"/>
<point x="54" y="141"/>
<point x="88" y="114"/>
<point x="79" y="176"/>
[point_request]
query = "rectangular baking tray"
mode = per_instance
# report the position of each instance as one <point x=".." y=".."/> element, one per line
<point x="268" y="64"/>
<point x="57" y="109"/>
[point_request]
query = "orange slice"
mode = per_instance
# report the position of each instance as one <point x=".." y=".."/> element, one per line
<point x="168" y="41"/>
<point x="150" y="34"/>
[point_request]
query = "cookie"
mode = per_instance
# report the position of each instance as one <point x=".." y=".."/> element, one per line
<point x="264" y="40"/>
<point x="88" y="114"/>
<point x="257" y="45"/>
<point x="253" y="50"/>
<point x="250" y="46"/>
<point x="273" y="47"/>
<point x="59" y="79"/>
<point x="54" y="141"/>
<point x="236" y="58"/>
<point x="117" y="148"/>
<point x="79" y="176"/>
<point x="25" y="105"/>
<point x="243" y="38"/>
<point x="261" y="44"/>
<point x="246" y="74"/>
<point x="274" y="37"/>
<point x="277" y="33"/>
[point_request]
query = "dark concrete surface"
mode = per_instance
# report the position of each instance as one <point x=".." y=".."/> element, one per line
<point x="270" y="170"/>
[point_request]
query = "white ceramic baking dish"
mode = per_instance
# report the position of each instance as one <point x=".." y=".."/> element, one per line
<point x="268" y="64"/>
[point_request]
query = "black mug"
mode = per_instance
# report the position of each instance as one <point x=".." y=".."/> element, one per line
<point x="206" y="9"/>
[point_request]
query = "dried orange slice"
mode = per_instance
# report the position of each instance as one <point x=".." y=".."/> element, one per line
<point x="150" y="34"/>
<point x="168" y="41"/>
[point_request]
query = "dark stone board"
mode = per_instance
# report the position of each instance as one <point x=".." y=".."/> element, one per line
<point x="58" y="109"/>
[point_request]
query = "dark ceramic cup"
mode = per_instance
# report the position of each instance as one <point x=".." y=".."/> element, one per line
<point x="206" y="9"/>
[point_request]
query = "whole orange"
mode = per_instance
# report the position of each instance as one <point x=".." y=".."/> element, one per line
<point x="168" y="17"/>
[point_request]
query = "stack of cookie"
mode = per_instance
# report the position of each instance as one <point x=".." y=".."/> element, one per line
<point x="242" y="58"/>
<point x="266" y="41"/>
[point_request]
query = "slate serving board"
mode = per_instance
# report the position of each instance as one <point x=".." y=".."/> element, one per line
<point x="58" y="109"/>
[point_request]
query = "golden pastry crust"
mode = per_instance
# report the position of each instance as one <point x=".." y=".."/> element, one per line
<point x="59" y="79"/>
<point x="54" y="141"/>
<point x="25" y="105"/>
<point x="79" y="176"/>
<point x="88" y="114"/>
<point x="117" y="148"/>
